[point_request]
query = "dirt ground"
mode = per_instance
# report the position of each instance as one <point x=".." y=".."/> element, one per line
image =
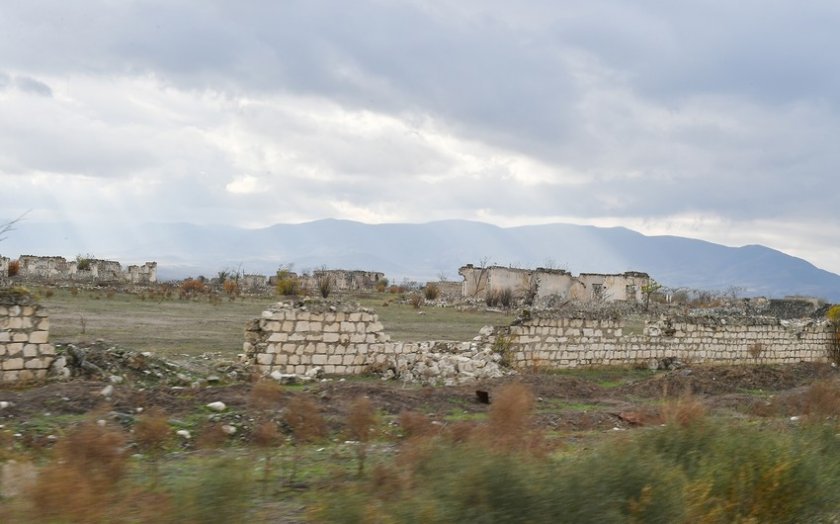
<point x="124" y="383"/>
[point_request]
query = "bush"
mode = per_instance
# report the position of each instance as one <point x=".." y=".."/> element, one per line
<point x="192" y="287"/>
<point x="499" y="297"/>
<point x="700" y="472"/>
<point x="288" y="284"/>
<point x="416" y="300"/>
<point x="83" y="262"/>
<point x="325" y="285"/>
<point x="431" y="292"/>
<point x="14" y="268"/>
<point x="231" y="288"/>
<point x="833" y="348"/>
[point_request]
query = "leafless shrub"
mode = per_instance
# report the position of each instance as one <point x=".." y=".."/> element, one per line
<point x="152" y="434"/>
<point x="416" y="424"/>
<point x="14" y="268"/>
<point x="510" y="417"/>
<point x="755" y="350"/>
<point x="416" y="300"/>
<point x="304" y="419"/>
<point x="266" y="394"/>
<point x="82" y="483"/>
<point x="431" y="291"/>
<point x="499" y="298"/>
<point x="686" y="410"/>
<point x="361" y="422"/>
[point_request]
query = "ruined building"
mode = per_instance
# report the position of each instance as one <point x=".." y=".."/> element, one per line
<point x="30" y="268"/>
<point x="542" y="284"/>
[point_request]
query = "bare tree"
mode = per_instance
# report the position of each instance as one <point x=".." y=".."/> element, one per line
<point x="9" y="226"/>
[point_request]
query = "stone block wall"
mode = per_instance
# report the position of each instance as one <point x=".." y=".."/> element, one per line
<point x="346" y="340"/>
<point x="339" y="339"/>
<point x="571" y="342"/>
<point x="290" y="339"/>
<point x="25" y="352"/>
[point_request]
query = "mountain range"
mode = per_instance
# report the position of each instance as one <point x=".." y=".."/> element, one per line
<point x="429" y="251"/>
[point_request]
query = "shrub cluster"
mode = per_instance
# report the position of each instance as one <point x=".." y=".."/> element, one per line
<point x="499" y="298"/>
<point x="693" y="469"/>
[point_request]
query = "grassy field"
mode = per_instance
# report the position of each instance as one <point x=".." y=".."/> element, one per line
<point x="189" y="327"/>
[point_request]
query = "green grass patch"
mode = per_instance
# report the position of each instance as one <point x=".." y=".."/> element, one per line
<point x="605" y="377"/>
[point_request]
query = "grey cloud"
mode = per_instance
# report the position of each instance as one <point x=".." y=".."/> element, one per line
<point x="30" y="85"/>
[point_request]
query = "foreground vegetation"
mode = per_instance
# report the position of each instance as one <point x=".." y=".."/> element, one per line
<point x="296" y="464"/>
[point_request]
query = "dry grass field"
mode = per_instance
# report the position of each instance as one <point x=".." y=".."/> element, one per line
<point x="174" y="326"/>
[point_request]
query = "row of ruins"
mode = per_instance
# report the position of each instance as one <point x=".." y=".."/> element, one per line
<point x="539" y="286"/>
<point x="29" y="268"/>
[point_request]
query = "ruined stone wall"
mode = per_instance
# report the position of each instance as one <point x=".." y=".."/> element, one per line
<point x="344" y="280"/>
<point x="340" y="339"/>
<point x="571" y="342"/>
<point x="549" y="285"/>
<point x="25" y="353"/>
<point x="448" y="290"/>
<point x="59" y="269"/>
<point x="346" y="340"/>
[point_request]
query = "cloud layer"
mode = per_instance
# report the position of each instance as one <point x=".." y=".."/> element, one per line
<point x="708" y="119"/>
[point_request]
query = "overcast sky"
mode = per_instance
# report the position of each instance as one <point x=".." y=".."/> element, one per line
<point x="713" y="119"/>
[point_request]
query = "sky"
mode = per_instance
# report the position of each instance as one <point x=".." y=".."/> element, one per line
<point x="709" y="119"/>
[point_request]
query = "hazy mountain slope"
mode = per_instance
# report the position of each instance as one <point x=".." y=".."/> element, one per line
<point x="424" y="251"/>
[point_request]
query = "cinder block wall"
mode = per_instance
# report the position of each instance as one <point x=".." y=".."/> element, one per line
<point x="25" y="352"/>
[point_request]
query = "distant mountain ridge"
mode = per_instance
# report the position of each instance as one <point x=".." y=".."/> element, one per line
<point x="426" y="251"/>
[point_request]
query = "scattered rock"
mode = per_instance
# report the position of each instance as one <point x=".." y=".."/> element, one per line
<point x="217" y="405"/>
<point x="227" y="429"/>
<point x="183" y="433"/>
<point x="107" y="391"/>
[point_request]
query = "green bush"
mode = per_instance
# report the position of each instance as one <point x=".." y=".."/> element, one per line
<point x="288" y="284"/>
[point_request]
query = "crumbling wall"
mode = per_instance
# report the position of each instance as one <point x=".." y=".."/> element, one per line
<point x="546" y="285"/>
<point x="346" y="339"/>
<point x="571" y="342"/>
<point x="448" y="290"/>
<point x="344" y="280"/>
<point x="25" y="353"/>
<point x="58" y="269"/>
<point x="145" y="274"/>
